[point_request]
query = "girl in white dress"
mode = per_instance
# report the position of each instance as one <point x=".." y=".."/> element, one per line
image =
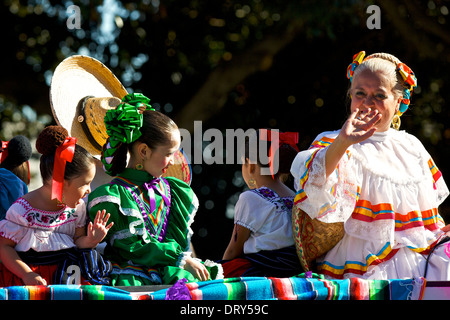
<point x="262" y="243"/>
<point x="379" y="181"/>
<point x="46" y="237"/>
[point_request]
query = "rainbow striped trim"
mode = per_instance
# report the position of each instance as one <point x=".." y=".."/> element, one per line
<point x="155" y="220"/>
<point x="434" y="171"/>
<point x="321" y="143"/>
<point x="357" y="267"/>
<point x="301" y="195"/>
<point x="429" y="219"/>
<point x="318" y="144"/>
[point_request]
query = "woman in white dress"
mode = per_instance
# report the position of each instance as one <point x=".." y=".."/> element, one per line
<point x="379" y="181"/>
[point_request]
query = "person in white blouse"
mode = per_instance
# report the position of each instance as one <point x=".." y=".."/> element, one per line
<point x="262" y="243"/>
<point x="378" y="180"/>
<point x="45" y="237"/>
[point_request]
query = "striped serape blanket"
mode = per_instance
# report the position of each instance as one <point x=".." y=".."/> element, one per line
<point x="295" y="288"/>
<point x="246" y="288"/>
<point x="64" y="292"/>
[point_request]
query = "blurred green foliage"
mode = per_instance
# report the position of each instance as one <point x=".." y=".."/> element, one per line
<point x="232" y="64"/>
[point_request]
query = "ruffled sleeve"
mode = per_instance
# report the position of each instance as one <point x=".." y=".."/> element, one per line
<point x="12" y="227"/>
<point x="318" y="195"/>
<point x="439" y="186"/>
<point x="32" y="228"/>
<point x="81" y="216"/>
<point x="119" y="204"/>
<point x="246" y="207"/>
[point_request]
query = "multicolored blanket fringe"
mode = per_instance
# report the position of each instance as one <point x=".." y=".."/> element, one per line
<point x="247" y="288"/>
<point x="63" y="292"/>
<point x="295" y="288"/>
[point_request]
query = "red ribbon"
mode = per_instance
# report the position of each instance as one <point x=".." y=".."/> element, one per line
<point x="4" y="151"/>
<point x="63" y="154"/>
<point x="289" y="138"/>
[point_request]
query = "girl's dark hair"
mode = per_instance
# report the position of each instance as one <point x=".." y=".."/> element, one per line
<point x="155" y="131"/>
<point x="285" y="153"/>
<point x="51" y="138"/>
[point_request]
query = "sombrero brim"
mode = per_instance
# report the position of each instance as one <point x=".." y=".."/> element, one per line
<point x="181" y="168"/>
<point x="75" y="78"/>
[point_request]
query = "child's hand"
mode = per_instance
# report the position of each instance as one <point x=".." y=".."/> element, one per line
<point x="97" y="231"/>
<point x="33" y="279"/>
<point x="197" y="269"/>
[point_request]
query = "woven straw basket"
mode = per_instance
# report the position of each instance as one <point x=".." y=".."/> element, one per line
<point x="312" y="237"/>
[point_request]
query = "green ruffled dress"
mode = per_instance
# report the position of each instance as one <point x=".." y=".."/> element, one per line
<point x="150" y="239"/>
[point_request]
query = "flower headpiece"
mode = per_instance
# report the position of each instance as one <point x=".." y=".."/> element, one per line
<point x="410" y="80"/>
<point x="3" y="150"/>
<point x="357" y="59"/>
<point x="123" y="125"/>
<point x="289" y="138"/>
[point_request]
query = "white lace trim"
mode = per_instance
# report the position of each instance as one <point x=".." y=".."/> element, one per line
<point x="395" y="163"/>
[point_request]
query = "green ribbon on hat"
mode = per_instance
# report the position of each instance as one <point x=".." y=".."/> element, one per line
<point x="123" y="125"/>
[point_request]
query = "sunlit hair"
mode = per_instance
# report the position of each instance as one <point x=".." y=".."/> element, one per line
<point x="387" y="65"/>
<point x="156" y="130"/>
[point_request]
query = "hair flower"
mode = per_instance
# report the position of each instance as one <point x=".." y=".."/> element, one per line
<point x="357" y="59"/>
<point x="123" y="124"/>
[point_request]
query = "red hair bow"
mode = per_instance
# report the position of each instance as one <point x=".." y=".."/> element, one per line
<point x="63" y="154"/>
<point x="289" y="138"/>
<point x="3" y="150"/>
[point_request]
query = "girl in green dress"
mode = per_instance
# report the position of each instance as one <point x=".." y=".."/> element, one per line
<point x="149" y="242"/>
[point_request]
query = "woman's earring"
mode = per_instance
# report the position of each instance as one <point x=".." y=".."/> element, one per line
<point x="396" y="122"/>
<point x="139" y="166"/>
<point x="252" y="183"/>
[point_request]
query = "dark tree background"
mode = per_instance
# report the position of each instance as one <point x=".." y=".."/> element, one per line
<point x="230" y="64"/>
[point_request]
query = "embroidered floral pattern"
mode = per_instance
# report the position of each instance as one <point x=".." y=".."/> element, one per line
<point x="284" y="203"/>
<point x="48" y="218"/>
<point x="288" y="202"/>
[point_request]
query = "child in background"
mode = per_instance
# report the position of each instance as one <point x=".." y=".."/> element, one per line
<point x="43" y="238"/>
<point x="14" y="171"/>
<point x="262" y="243"/>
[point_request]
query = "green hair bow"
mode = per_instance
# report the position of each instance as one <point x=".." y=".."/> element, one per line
<point x="123" y="125"/>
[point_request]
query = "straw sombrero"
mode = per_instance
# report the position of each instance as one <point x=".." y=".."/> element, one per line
<point x="81" y="92"/>
<point x="313" y="238"/>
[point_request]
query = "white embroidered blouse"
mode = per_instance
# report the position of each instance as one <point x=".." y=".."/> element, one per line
<point x="267" y="216"/>
<point x="40" y="230"/>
